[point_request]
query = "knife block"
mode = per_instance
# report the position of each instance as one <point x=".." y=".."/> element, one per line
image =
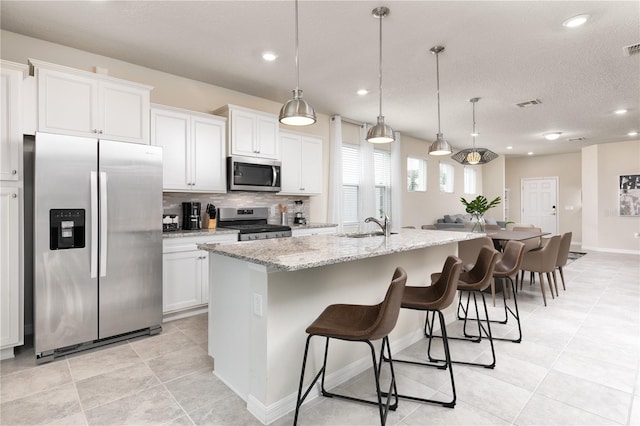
<point x="207" y="222"/>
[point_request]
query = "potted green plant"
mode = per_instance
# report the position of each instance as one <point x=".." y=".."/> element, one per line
<point x="477" y="208"/>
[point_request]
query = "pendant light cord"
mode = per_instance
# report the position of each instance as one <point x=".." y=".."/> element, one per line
<point x="297" y="49"/>
<point x="438" y="86"/>
<point x="474" y="126"/>
<point x="380" y="65"/>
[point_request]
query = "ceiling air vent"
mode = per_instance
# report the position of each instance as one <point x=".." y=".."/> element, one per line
<point x="528" y="103"/>
<point x="581" y="138"/>
<point x="632" y="49"/>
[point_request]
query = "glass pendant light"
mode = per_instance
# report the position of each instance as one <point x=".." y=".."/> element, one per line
<point x="297" y="112"/>
<point x="380" y="133"/>
<point x="474" y="155"/>
<point x="440" y="146"/>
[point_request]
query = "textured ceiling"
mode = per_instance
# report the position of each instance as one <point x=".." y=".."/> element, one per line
<point x="504" y="52"/>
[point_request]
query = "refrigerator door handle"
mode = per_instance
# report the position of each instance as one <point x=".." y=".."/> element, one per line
<point x="103" y="224"/>
<point x="94" y="224"/>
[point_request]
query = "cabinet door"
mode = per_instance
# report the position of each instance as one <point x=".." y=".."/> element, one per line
<point x="124" y="113"/>
<point x="243" y="133"/>
<point x="67" y="103"/>
<point x="290" y="180"/>
<point x="208" y="154"/>
<point x="204" y="263"/>
<point x="10" y="249"/>
<point x="171" y="131"/>
<point x="181" y="280"/>
<point x="10" y="132"/>
<point x="311" y="165"/>
<point x="267" y="129"/>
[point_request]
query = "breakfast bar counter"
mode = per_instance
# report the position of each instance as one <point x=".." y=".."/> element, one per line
<point x="264" y="294"/>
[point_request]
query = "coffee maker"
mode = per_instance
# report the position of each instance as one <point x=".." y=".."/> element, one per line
<point x="299" y="218"/>
<point x="191" y="215"/>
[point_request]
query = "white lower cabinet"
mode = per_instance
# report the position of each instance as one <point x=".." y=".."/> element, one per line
<point x="185" y="271"/>
<point x="11" y="297"/>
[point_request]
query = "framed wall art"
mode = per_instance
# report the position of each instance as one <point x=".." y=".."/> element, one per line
<point x="629" y="195"/>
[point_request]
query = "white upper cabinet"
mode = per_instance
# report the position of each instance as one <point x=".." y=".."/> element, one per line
<point x="252" y="133"/>
<point x="81" y="103"/>
<point x="11" y="127"/>
<point x="193" y="149"/>
<point x="301" y="164"/>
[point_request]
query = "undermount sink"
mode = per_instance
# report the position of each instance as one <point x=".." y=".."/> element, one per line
<point x="365" y="234"/>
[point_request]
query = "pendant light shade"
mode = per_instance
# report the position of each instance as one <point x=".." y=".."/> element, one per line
<point x="474" y="155"/>
<point x="439" y="146"/>
<point x="380" y="133"/>
<point x="296" y="111"/>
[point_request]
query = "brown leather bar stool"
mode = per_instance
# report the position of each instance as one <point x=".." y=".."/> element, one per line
<point x="474" y="282"/>
<point x="433" y="299"/>
<point x="507" y="266"/>
<point x="359" y="323"/>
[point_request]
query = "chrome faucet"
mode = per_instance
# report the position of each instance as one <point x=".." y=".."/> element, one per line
<point x="384" y="226"/>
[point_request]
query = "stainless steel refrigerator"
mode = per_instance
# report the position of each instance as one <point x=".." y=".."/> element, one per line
<point x="97" y="242"/>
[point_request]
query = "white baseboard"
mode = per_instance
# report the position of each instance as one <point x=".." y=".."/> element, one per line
<point x="268" y="414"/>
<point x="7" y="353"/>
<point x="611" y="250"/>
<point x="171" y="316"/>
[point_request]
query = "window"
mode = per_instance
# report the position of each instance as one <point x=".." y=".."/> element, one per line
<point x="350" y="181"/>
<point x="416" y="174"/>
<point x="469" y="180"/>
<point x="446" y="177"/>
<point x="382" y="171"/>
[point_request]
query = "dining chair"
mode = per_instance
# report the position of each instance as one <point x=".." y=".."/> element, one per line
<point x="359" y="323"/>
<point x="531" y="243"/>
<point x="563" y="256"/>
<point x="542" y="261"/>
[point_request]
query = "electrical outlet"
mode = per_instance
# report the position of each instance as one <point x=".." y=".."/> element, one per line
<point x="257" y="304"/>
<point x="273" y="210"/>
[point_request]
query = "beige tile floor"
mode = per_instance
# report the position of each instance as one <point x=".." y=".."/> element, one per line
<point x="577" y="364"/>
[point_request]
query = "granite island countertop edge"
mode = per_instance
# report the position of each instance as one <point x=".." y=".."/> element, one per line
<point x="288" y="254"/>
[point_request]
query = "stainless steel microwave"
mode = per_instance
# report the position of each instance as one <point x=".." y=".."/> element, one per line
<point x="253" y="174"/>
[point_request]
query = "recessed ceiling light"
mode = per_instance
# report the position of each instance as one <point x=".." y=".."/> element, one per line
<point x="634" y="133"/>
<point x="530" y="153"/>
<point x="552" y="136"/>
<point x="576" y="21"/>
<point x="509" y="147"/>
<point x="620" y="111"/>
<point x="269" y="56"/>
<point x="362" y="92"/>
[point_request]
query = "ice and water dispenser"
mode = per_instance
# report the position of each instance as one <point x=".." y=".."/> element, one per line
<point x="66" y="228"/>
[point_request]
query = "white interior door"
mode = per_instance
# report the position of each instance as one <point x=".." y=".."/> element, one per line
<point x="540" y="202"/>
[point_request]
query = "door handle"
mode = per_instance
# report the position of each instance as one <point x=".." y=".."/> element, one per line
<point x="94" y="224"/>
<point x="103" y="224"/>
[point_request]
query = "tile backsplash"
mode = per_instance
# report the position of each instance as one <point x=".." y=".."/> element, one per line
<point x="172" y="202"/>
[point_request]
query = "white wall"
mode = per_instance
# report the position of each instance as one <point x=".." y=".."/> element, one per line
<point x="602" y="165"/>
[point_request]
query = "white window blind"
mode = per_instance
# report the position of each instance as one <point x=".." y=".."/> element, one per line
<point x="382" y="170"/>
<point x="350" y="183"/>
<point x="470" y="179"/>
<point x="446" y="177"/>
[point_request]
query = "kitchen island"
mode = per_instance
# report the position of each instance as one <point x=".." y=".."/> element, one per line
<point x="263" y="295"/>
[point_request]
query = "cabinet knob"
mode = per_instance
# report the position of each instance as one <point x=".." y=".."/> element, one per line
<point x="14" y="195"/>
<point x="100" y="131"/>
<point x="14" y="172"/>
<point x="95" y="130"/>
<point x="301" y="189"/>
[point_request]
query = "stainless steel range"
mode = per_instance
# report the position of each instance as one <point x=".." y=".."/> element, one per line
<point x="251" y="223"/>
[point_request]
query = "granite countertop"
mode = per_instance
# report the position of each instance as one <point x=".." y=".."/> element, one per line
<point x="296" y="253"/>
<point x="197" y="232"/>
<point x="313" y="225"/>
